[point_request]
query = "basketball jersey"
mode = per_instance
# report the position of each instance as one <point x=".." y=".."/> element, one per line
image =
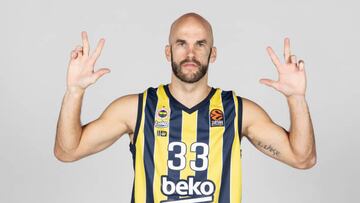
<point x="187" y="155"/>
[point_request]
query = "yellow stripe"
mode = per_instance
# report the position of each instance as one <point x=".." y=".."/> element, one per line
<point x="235" y="165"/>
<point x="160" y="148"/>
<point x="140" y="180"/>
<point x="216" y="146"/>
<point x="189" y="127"/>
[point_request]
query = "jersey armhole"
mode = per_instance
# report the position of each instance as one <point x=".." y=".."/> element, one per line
<point x="138" y="117"/>
<point x="240" y="116"/>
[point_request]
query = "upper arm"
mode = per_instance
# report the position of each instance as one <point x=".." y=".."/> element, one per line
<point x="116" y="120"/>
<point x="265" y="135"/>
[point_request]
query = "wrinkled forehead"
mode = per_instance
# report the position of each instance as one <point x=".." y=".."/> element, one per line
<point x="191" y="26"/>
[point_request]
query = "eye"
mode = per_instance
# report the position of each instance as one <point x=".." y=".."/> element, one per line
<point x="181" y="43"/>
<point x="201" y="44"/>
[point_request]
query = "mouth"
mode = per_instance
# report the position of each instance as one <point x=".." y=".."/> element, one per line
<point x="190" y="65"/>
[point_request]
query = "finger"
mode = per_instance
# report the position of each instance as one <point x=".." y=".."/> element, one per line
<point x="100" y="73"/>
<point x="301" y="65"/>
<point x="273" y="57"/>
<point x="85" y="42"/>
<point x="269" y="82"/>
<point x="73" y="54"/>
<point x="98" y="50"/>
<point x="79" y="50"/>
<point x="293" y="59"/>
<point x="287" y="52"/>
<point x="76" y="52"/>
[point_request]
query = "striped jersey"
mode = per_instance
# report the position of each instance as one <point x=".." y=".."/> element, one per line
<point x="187" y="155"/>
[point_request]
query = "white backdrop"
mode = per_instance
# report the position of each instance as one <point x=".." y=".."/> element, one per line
<point x="36" y="39"/>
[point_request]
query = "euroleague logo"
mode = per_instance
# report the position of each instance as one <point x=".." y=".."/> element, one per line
<point x="216" y="118"/>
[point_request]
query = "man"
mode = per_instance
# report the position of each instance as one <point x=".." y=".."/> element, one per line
<point x="185" y="136"/>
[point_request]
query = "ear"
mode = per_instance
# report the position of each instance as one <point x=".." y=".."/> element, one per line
<point x="168" y="52"/>
<point x="213" y="54"/>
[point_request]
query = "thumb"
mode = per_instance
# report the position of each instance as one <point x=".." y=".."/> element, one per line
<point x="270" y="83"/>
<point x="100" y="73"/>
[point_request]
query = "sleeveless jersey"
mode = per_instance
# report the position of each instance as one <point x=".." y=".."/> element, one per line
<point x="187" y="155"/>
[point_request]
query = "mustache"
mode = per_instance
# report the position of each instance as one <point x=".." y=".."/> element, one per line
<point x="190" y="60"/>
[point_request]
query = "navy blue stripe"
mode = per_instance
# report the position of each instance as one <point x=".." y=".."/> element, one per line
<point x="138" y="118"/>
<point x="136" y="131"/>
<point x="132" y="193"/>
<point x="132" y="145"/>
<point x="240" y="110"/>
<point x="150" y="109"/>
<point x="174" y="136"/>
<point x="229" y="112"/>
<point x="202" y="136"/>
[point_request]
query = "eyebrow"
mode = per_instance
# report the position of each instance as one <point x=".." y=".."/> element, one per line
<point x="202" y="41"/>
<point x="180" y="40"/>
<point x="184" y="41"/>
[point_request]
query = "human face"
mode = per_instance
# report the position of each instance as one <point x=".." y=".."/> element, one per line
<point x="181" y="70"/>
<point x="190" y="55"/>
<point x="190" y="49"/>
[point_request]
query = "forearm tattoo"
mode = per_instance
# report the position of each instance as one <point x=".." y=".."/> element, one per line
<point x="269" y="148"/>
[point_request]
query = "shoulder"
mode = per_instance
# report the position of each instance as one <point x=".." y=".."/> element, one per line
<point x="123" y="109"/>
<point x="248" y="105"/>
<point x="252" y="113"/>
<point x="124" y="103"/>
<point x="252" y="110"/>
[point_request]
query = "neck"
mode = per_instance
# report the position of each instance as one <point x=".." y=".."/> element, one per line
<point x="189" y="94"/>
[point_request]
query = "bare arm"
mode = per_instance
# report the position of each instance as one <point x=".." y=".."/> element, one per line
<point x="295" y="147"/>
<point x="301" y="134"/>
<point x="68" y="131"/>
<point x="116" y="120"/>
<point x="74" y="141"/>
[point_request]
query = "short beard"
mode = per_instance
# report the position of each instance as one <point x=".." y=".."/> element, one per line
<point x="176" y="68"/>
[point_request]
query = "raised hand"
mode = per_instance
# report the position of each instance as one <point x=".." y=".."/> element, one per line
<point x="292" y="77"/>
<point x="81" y="66"/>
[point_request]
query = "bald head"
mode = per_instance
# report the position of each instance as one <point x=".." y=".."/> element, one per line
<point x="190" y="23"/>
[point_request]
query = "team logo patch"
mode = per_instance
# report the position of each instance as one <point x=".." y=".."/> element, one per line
<point x="216" y="118"/>
<point x="162" y="113"/>
<point x="162" y="118"/>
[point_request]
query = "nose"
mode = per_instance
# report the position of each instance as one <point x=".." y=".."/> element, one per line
<point x="190" y="52"/>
